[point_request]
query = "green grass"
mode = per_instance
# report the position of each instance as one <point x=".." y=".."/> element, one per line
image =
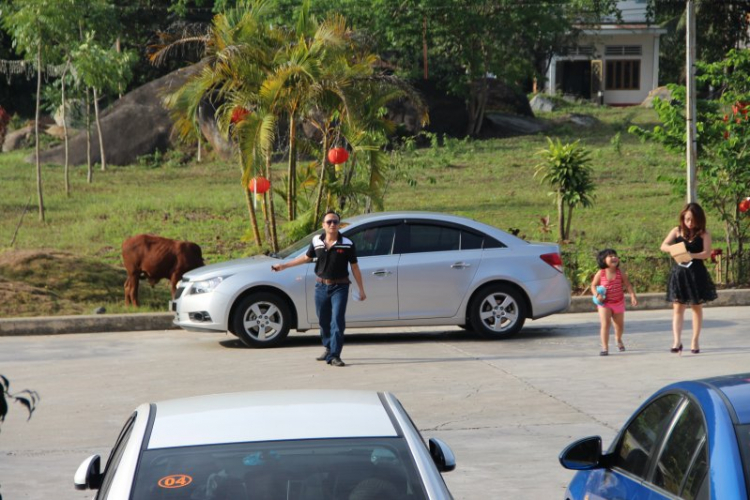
<point x="490" y="180"/>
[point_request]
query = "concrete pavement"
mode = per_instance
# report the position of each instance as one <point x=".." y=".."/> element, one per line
<point x="163" y="321"/>
<point x="506" y="408"/>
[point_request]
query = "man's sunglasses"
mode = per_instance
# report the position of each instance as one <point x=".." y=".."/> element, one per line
<point x="333" y="222"/>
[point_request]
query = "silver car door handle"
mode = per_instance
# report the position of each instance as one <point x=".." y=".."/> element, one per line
<point x="382" y="272"/>
<point x="460" y="265"/>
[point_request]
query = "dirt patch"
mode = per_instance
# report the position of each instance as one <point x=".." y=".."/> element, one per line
<point x="39" y="282"/>
<point x="21" y="300"/>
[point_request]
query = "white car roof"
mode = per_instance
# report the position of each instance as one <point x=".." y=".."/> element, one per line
<point x="269" y="416"/>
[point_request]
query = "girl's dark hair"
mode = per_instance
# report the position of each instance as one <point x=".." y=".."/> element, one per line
<point x="699" y="221"/>
<point x="601" y="256"/>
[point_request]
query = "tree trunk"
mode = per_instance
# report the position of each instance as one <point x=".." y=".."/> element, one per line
<point x="36" y="131"/>
<point x="567" y="223"/>
<point x="271" y="210"/>
<point x="99" y="130"/>
<point x="90" y="171"/>
<point x="250" y="205"/>
<point x="66" y="168"/>
<point x="321" y="179"/>
<point x="291" y="194"/>
<point x="561" y="216"/>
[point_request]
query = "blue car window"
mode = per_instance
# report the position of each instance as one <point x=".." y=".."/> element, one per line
<point x="696" y="482"/>
<point x="638" y="441"/>
<point x="680" y="451"/>
<point x="743" y="434"/>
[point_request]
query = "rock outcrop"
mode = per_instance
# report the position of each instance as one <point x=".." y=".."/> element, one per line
<point x="135" y="125"/>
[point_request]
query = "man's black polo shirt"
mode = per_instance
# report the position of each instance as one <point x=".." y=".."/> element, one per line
<point x="332" y="264"/>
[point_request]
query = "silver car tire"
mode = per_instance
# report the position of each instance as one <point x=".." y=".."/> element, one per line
<point x="262" y="320"/>
<point x="498" y="312"/>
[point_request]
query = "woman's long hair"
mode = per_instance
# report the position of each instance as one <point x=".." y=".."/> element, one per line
<point x="699" y="221"/>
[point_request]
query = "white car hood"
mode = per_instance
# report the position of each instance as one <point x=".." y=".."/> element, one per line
<point x="230" y="267"/>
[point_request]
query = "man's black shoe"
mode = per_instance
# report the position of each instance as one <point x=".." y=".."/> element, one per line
<point x="323" y="356"/>
<point x="336" y="362"/>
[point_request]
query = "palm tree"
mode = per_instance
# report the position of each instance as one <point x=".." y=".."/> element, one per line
<point x="566" y="169"/>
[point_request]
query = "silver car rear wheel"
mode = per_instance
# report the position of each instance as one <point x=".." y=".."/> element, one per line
<point x="498" y="312"/>
<point x="262" y="320"/>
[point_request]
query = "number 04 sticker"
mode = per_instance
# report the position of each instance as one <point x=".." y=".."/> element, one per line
<point x="175" y="481"/>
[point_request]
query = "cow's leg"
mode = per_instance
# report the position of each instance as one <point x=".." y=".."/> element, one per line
<point x="127" y="291"/>
<point x="134" y="282"/>
<point x="173" y="281"/>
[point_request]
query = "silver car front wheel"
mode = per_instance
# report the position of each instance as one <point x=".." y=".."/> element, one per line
<point x="498" y="312"/>
<point x="262" y="320"/>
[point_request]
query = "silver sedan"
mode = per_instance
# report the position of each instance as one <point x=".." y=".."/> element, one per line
<point x="419" y="269"/>
<point x="295" y="445"/>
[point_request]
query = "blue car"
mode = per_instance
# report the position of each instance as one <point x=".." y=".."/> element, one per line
<point x="689" y="440"/>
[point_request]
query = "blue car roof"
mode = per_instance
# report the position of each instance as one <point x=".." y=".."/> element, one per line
<point x="736" y="388"/>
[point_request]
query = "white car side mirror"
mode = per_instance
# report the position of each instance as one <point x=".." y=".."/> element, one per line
<point x="89" y="476"/>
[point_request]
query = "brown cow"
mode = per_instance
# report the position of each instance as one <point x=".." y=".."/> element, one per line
<point x="153" y="257"/>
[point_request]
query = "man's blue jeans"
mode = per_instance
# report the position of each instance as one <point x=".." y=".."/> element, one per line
<point x="330" y="304"/>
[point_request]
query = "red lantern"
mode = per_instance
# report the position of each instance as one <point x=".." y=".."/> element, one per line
<point x="238" y="114"/>
<point x="338" y="156"/>
<point x="259" y="185"/>
<point x="744" y="205"/>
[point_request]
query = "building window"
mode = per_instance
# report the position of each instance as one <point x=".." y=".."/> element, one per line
<point x="624" y="75"/>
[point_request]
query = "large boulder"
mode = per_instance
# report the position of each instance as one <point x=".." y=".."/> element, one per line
<point x="137" y="124"/>
<point x="542" y="103"/>
<point x="508" y="125"/>
<point x="662" y="93"/>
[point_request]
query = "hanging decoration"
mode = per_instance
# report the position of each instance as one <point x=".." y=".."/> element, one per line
<point x="337" y="156"/>
<point x="258" y="185"/>
<point x="238" y="114"/>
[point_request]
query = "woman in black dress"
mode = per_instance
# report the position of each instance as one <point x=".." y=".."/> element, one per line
<point x="689" y="284"/>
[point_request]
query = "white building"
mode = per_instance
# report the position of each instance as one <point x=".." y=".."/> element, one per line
<point x="616" y="64"/>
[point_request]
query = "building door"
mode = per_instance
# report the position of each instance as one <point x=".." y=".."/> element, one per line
<point x="576" y="78"/>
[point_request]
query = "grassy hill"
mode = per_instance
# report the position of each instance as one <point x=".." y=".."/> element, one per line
<point x="71" y="263"/>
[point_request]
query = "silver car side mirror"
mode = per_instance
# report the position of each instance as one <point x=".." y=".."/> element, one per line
<point x="89" y="476"/>
<point x="442" y="455"/>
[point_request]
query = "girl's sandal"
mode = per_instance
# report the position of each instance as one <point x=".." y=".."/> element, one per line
<point x="620" y="347"/>
<point x="603" y="353"/>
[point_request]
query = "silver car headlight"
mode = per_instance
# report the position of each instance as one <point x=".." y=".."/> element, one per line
<point x="205" y="286"/>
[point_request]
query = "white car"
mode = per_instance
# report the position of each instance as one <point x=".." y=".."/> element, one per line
<point x="419" y="269"/>
<point x="290" y="445"/>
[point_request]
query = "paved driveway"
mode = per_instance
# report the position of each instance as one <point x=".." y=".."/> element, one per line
<point x="506" y="408"/>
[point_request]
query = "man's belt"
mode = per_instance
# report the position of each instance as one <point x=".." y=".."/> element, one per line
<point x="341" y="281"/>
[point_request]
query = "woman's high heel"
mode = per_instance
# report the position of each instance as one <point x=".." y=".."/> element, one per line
<point x="677" y="349"/>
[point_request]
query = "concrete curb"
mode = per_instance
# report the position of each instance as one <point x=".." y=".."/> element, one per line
<point x="105" y="323"/>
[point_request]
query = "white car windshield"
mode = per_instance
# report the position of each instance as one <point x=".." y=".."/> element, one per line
<point x="295" y="470"/>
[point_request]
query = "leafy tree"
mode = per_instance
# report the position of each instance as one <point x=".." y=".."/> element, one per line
<point x="101" y="69"/>
<point x="460" y="45"/>
<point x="36" y="27"/>
<point x="721" y="26"/>
<point x="566" y="169"/>
<point x="316" y="72"/>
<point x="723" y="143"/>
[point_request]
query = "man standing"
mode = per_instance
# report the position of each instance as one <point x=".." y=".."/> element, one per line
<point x="335" y="253"/>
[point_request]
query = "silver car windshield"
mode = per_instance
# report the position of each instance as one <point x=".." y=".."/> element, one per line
<point x="298" y="246"/>
<point x="380" y="468"/>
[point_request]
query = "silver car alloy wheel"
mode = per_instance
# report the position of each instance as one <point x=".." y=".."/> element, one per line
<point x="262" y="320"/>
<point x="499" y="312"/>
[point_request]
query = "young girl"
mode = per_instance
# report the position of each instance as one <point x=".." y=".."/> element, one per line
<point x="612" y="310"/>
